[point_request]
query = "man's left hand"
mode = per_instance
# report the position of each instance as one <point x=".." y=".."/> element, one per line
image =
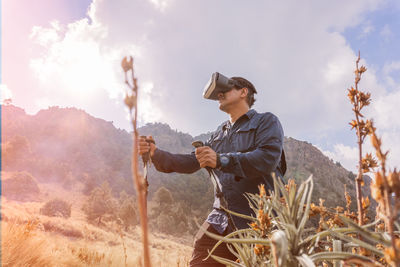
<point x="206" y="156"/>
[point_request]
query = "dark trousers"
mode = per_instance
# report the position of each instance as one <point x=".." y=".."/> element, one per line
<point x="203" y="244"/>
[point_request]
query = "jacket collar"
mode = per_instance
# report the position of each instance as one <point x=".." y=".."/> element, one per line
<point x="248" y="115"/>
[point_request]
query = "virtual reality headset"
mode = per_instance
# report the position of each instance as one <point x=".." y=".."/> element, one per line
<point x="218" y="84"/>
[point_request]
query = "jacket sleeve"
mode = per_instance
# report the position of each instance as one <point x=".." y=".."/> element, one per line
<point x="167" y="162"/>
<point x="265" y="157"/>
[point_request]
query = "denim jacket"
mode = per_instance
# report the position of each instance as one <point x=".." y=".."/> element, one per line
<point x="254" y="146"/>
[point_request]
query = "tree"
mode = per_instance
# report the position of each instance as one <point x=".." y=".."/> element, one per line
<point x="100" y="203"/>
<point x="89" y="184"/>
<point x="164" y="223"/>
<point x="122" y="197"/>
<point x="21" y="186"/>
<point x="56" y="208"/>
<point x="15" y="152"/>
<point x="167" y="215"/>
<point x="128" y="213"/>
<point x="163" y="197"/>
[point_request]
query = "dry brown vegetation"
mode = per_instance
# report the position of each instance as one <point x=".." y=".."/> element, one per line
<point x="32" y="239"/>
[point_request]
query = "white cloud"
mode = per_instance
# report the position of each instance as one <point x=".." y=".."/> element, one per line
<point x="78" y="69"/>
<point x="46" y="36"/>
<point x="389" y="70"/>
<point x="292" y="51"/>
<point x="5" y="93"/>
<point x="387" y="121"/>
<point x="346" y="155"/>
<point x="161" y="4"/>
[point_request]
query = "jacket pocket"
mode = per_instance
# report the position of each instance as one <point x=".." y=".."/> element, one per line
<point x="244" y="140"/>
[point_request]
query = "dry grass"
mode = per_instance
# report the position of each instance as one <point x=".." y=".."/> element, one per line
<point x="31" y="239"/>
<point x="21" y="246"/>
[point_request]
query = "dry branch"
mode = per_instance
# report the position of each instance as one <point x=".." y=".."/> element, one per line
<point x="131" y="102"/>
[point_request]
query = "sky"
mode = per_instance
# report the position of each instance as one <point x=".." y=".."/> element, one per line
<point x="300" y="55"/>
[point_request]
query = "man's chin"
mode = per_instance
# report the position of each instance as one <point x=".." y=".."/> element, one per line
<point x="222" y="107"/>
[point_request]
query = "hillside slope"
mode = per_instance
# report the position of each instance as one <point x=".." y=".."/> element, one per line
<point x="67" y="146"/>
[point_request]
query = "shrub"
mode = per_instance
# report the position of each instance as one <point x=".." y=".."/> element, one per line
<point x="100" y="203"/>
<point x="163" y="197"/>
<point x="56" y="208"/>
<point x="128" y="213"/>
<point x="21" y="186"/>
<point x="15" y="152"/>
<point x="89" y="184"/>
<point x="65" y="230"/>
<point x="164" y="223"/>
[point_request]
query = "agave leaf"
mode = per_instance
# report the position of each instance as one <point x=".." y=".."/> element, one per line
<point x="290" y="230"/>
<point x="313" y="238"/>
<point x="308" y="203"/>
<point x="305" y="260"/>
<point x="280" y="210"/>
<point x="279" y="187"/>
<point x="372" y="236"/>
<point x="242" y="254"/>
<point x="231" y="249"/>
<point x="312" y="245"/>
<point x="292" y="199"/>
<point x="227" y="262"/>
<point x="357" y="241"/>
<point x="246" y="252"/>
<point x="302" y="196"/>
<point x="227" y="236"/>
<point x="300" y="228"/>
<point x="251" y="200"/>
<point x="264" y="242"/>
<point x="360" y="262"/>
<point x="241" y="251"/>
<point x="329" y="256"/>
<point x="350" y="245"/>
<point x="250" y="218"/>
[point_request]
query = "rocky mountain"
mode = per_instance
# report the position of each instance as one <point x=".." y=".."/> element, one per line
<point x="67" y="146"/>
<point x="304" y="159"/>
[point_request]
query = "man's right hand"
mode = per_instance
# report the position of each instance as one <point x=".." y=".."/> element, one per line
<point x="145" y="146"/>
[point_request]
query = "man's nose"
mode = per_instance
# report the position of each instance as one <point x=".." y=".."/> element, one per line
<point x="220" y="95"/>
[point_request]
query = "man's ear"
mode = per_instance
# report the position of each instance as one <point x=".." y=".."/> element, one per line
<point x="245" y="91"/>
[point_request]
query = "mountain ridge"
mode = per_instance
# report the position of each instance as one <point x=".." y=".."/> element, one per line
<point x="63" y="145"/>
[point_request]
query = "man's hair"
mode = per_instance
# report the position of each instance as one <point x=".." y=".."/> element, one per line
<point x="242" y="82"/>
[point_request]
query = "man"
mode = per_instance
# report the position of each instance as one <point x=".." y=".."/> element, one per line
<point x="243" y="152"/>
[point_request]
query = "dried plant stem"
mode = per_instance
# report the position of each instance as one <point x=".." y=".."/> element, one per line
<point x="388" y="209"/>
<point x="358" y="179"/>
<point x="140" y="189"/>
<point x="121" y="234"/>
<point x="131" y="102"/>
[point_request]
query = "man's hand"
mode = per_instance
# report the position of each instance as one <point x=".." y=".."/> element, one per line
<point x="206" y="157"/>
<point x="145" y="146"/>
